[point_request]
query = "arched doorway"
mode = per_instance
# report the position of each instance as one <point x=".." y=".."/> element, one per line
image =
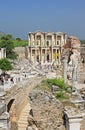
<point x="37" y="58"/>
<point x="12" y="114"/>
<point x="10" y="105"/>
<point x="47" y="57"/>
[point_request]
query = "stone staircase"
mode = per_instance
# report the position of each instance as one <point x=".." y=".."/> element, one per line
<point x="22" y="122"/>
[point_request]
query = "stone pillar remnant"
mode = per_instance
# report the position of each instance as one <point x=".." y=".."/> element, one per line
<point x="74" y="73"/>
<point x="72" y="122"/>
<point x="65" y="70"/>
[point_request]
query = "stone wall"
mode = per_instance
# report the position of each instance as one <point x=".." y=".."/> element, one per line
<point x="83" y="124"/>
<point x="22" y="52"/>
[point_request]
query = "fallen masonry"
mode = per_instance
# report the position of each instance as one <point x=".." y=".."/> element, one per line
<point x="46" y="112"/>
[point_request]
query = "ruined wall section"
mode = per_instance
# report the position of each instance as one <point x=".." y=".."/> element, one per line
<point x="22" y="52"/>
<point x="83" y="124"/>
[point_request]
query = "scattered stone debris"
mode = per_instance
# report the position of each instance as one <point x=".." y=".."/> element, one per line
<point x="47" y="111"/>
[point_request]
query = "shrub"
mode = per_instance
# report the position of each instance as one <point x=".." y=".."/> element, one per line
<point x="61" y="95"/>
<point x="57" y="81"/>
<point x="5" y="64"/>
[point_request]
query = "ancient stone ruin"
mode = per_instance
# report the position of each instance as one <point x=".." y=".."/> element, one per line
<point x="46" y="111"/>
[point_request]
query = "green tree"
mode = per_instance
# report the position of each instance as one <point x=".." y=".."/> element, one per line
<point x="82" y="41"/>
<point x="5" y="65"/>
<point x="1" y="34"/>
<point x="9" y="37"/>
<point x="18" y="39"/>
<point x="3" y="38"/>
<point x="7" y="43"/>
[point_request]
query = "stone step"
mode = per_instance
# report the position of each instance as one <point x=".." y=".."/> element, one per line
<point x="24" y="114"/>
<point x="22" y="125"/>
<point x="22" y="122"/>
<point x="26" y="111"/>
<point x="22" y="129"/>
<point x="22" y="119"/>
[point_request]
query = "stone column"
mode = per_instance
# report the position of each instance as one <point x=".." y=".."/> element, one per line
<point x="65" y="70"/>
<point x="42" y="40"/>
<point x="30" y="54"/>
<point x="59" y="56"/>
<point x="74" y="72"/>
<point x="2" y="56"/>
<point x="65" y="38"/>
<point x="52" y="54"/>
<point x="62" y="40"/>
<point x="41" y="54"/>
<point x="45" y="55"/>
<point x="56" y="59"/>
<point x="5" y="53"/>
<point x="55" y="39"/>
<point x="72" y="122"/>
<point x="29" y="40"/>
<point x="35" y="59"/>
<point x="52" y="42"/>
<point x="45" y="39"/>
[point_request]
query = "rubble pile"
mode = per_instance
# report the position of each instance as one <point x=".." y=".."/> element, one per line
<point x="46" y="110"/>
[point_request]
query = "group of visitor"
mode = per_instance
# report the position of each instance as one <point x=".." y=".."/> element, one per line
<point x="4" y="78"/>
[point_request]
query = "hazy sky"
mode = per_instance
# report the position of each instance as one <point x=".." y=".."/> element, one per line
<point x="19" y="17"/>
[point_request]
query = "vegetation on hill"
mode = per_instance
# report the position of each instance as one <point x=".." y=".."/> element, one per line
<point x="20" y="43"/>
<point x="63" y="89"/>
<point x="8" y="42"/>
<point x="82" y="41"/>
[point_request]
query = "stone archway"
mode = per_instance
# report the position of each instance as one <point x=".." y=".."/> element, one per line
<point x="10" y="104"/>
<point x="11" y="109"/>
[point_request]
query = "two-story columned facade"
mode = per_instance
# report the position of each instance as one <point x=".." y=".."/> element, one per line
<point x="45" y="46"/>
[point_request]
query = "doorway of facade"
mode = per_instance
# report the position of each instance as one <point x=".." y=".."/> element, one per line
<point x="47" y="57"/>
<point x="37" y="58"/>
